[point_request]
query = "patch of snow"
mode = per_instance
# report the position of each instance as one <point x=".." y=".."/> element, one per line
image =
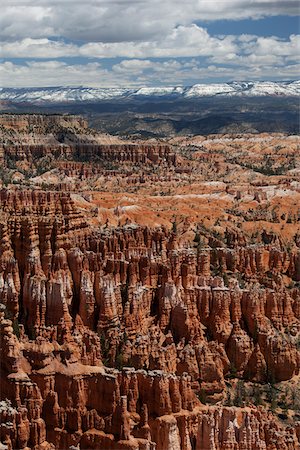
<point x="85" y="94"/>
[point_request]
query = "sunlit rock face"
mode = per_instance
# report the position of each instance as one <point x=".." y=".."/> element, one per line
<point x="129" y="323"/>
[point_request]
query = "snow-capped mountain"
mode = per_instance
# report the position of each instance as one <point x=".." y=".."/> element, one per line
<point x="86" y="94"/>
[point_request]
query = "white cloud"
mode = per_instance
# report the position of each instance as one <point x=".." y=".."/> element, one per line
<point x="51" y="73"/>
<point x="37" y="48"/>
<point x="133" y="66"/>
<point x="139" y="30"/>
<point x="277" y="47"/>
<point x="183" y="41"/>
<point x="21" y="22"/>
<point x="134" y="73"/>
<point x="124" y="20"/>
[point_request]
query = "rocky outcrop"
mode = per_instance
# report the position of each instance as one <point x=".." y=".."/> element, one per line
<point x="80" y="300"/>
<point x="55" y="406"/>
<point x="141" y="337"/>
<point x="147" y="299"/>
<point x="40" y="123"/>
<point x="33" y="137"/>
<point x="131" y="153"/>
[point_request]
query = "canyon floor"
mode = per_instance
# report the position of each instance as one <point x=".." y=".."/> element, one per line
<point x="149" y="289"/>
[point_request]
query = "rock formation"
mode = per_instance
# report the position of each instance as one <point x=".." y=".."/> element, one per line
<point x="137" y="336"/>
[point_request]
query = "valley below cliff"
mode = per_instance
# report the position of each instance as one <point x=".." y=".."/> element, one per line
<point x="149" y="289"/>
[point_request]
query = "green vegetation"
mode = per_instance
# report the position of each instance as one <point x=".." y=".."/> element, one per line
<point x="202" y="396"/>
<point x="16" y="328"/>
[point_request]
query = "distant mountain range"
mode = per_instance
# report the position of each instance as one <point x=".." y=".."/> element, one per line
<point x="88" y="95"/>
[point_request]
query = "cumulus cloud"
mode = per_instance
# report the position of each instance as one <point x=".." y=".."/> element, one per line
<point x="134" y="73"/>
<point x="30" y="21"/>
<point x="183" y="41"/>
<point x="261" y="51"/>
<point x="151" y="38"/>
<point x="263" y="46"/>
<point x="51" y="73"/>
<point x="124" y="20"/>
<point x="37" y="48"/>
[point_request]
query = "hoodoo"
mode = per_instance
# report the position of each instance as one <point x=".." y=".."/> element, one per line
<point x="149" y="290"/>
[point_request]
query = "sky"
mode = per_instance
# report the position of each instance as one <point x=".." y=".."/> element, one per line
<point x="132" y="43"/>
